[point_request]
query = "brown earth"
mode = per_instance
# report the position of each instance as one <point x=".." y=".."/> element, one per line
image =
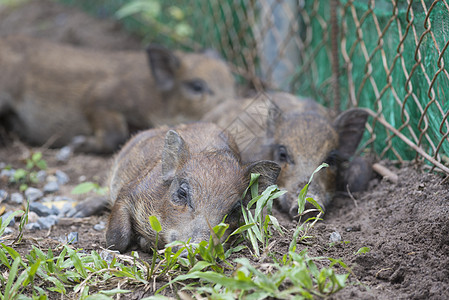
<point x="405" y="225"/>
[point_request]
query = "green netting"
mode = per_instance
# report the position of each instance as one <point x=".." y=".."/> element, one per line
<point x="382" y="57"/>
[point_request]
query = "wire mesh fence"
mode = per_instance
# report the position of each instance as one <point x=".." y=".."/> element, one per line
<point x="387" y="56"/>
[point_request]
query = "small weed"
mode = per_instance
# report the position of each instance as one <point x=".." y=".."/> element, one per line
<point x="28" y="175"/>
<point x="89" y="186"/>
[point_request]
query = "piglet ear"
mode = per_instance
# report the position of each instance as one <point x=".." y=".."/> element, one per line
<point x="350" y="126"/>
<point x="174" y="154"/>
<point x="268" y="170"/>
<point x="164" y="65"/>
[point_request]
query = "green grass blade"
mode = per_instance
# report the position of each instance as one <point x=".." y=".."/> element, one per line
<point x="8" y="294"/>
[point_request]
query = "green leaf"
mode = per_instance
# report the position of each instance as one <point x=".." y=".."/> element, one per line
<point x="8" y="294"/>
<point x="363" y="250"/>
<point x="20" y="174"/>
<point x="36" y="156"/>
<point x="84" y="187"/>
<point x="5" y="223"/>
<point x="42" y="164"/>
<point x="150" y="8"/>
<point x="114" y="292"/>
<point x="77" y="262"/>
<point x="315" y="204"/>
<point x="199" y="266"/>
<point x="154" y="222"/>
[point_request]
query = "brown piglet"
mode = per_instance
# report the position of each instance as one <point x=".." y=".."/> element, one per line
<point x="57" y="94"/>
<point x="299" y="134"/>
<point x="190" y="177"/>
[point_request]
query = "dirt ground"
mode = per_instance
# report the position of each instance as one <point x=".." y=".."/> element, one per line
<point x="405" y="225"/>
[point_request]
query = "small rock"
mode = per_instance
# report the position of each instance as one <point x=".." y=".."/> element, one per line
<point x="51" y="187"/>
<point x="33" y="226"/>
<point x="16" y="198"/>
<point x="51" y="178"/>
<point x="63" y="198"/>
<point x="64" y="154"/>
<point x="32" y="217"/>
<point x="108" y="255"/>
<point x="8" y="230"/>
<point x="46" y="199"/>
<point x="335" y="237"/>
<point x="33" y="194"/>
<point x="82" y="178"/>
<point x="61" y="177"/>
<point x="8" y="173"/>
<point x="41" y="175"/>
<point x="47" y="222"/>
<point x="72" y="238"/>
<point x="353" y="228"/>
<point x="40" y="209"/>
<point x="68" y="207"/>
<point x="5" y="216"/>
<point x="100" y="226"/>
<point x="4" y="196"/>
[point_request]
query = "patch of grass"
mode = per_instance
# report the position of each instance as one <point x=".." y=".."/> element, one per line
<point x="198" y="270"/>
<point x="28" y="175"/>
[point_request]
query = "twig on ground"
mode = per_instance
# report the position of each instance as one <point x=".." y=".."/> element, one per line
<point x="385" y="172"/>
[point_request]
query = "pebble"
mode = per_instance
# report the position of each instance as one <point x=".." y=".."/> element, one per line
<point x="8" y="230"/>
<point x="8" y="173"/>
<point x="5" y="216"/>
<point x="100" y="226"/>
<point x="33" y="226"/>
<point x="335" y="237"/>
<point x="72" y="238"/>
<point x="51" y="178"/>
<point x="47" y="222"/>
<point x="32" y="217"/>
<point x="41" y="175"/>
<point x="108" y="255"/>
<point x="42" y="210"/>
<point x="64" y="154"/>
<point x="61" y="177"/>
<point x="4" y="196"/>
<point x="51" y="187"/>
<point x="82" y="178"/>
<point x="33" y="194"/>
<point x="16" y="198"/>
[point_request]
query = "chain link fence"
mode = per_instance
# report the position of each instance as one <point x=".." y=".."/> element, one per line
<point x="387" y="56"/>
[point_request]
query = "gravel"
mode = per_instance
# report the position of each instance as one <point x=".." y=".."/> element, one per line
<point x="61" y="177"/>
<point x="51" y="187"/>
<point x="47" y="222"/>
<point x="42" y="210"/>
<point x="64" y="154"/>
<point x="335" y="237"/>
<point x="16" y="198"/>
<point x="72" y="237"/>
<point x="100" y="226"/>
<point x="33" y="194"/>
<point x="4" y="196"/>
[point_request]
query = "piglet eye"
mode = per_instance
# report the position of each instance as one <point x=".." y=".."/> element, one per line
<point x="282" y="154"/>
<point x="197" y="86"/>
<point x="182" y="196"/>
<point x="182" y="193"/>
